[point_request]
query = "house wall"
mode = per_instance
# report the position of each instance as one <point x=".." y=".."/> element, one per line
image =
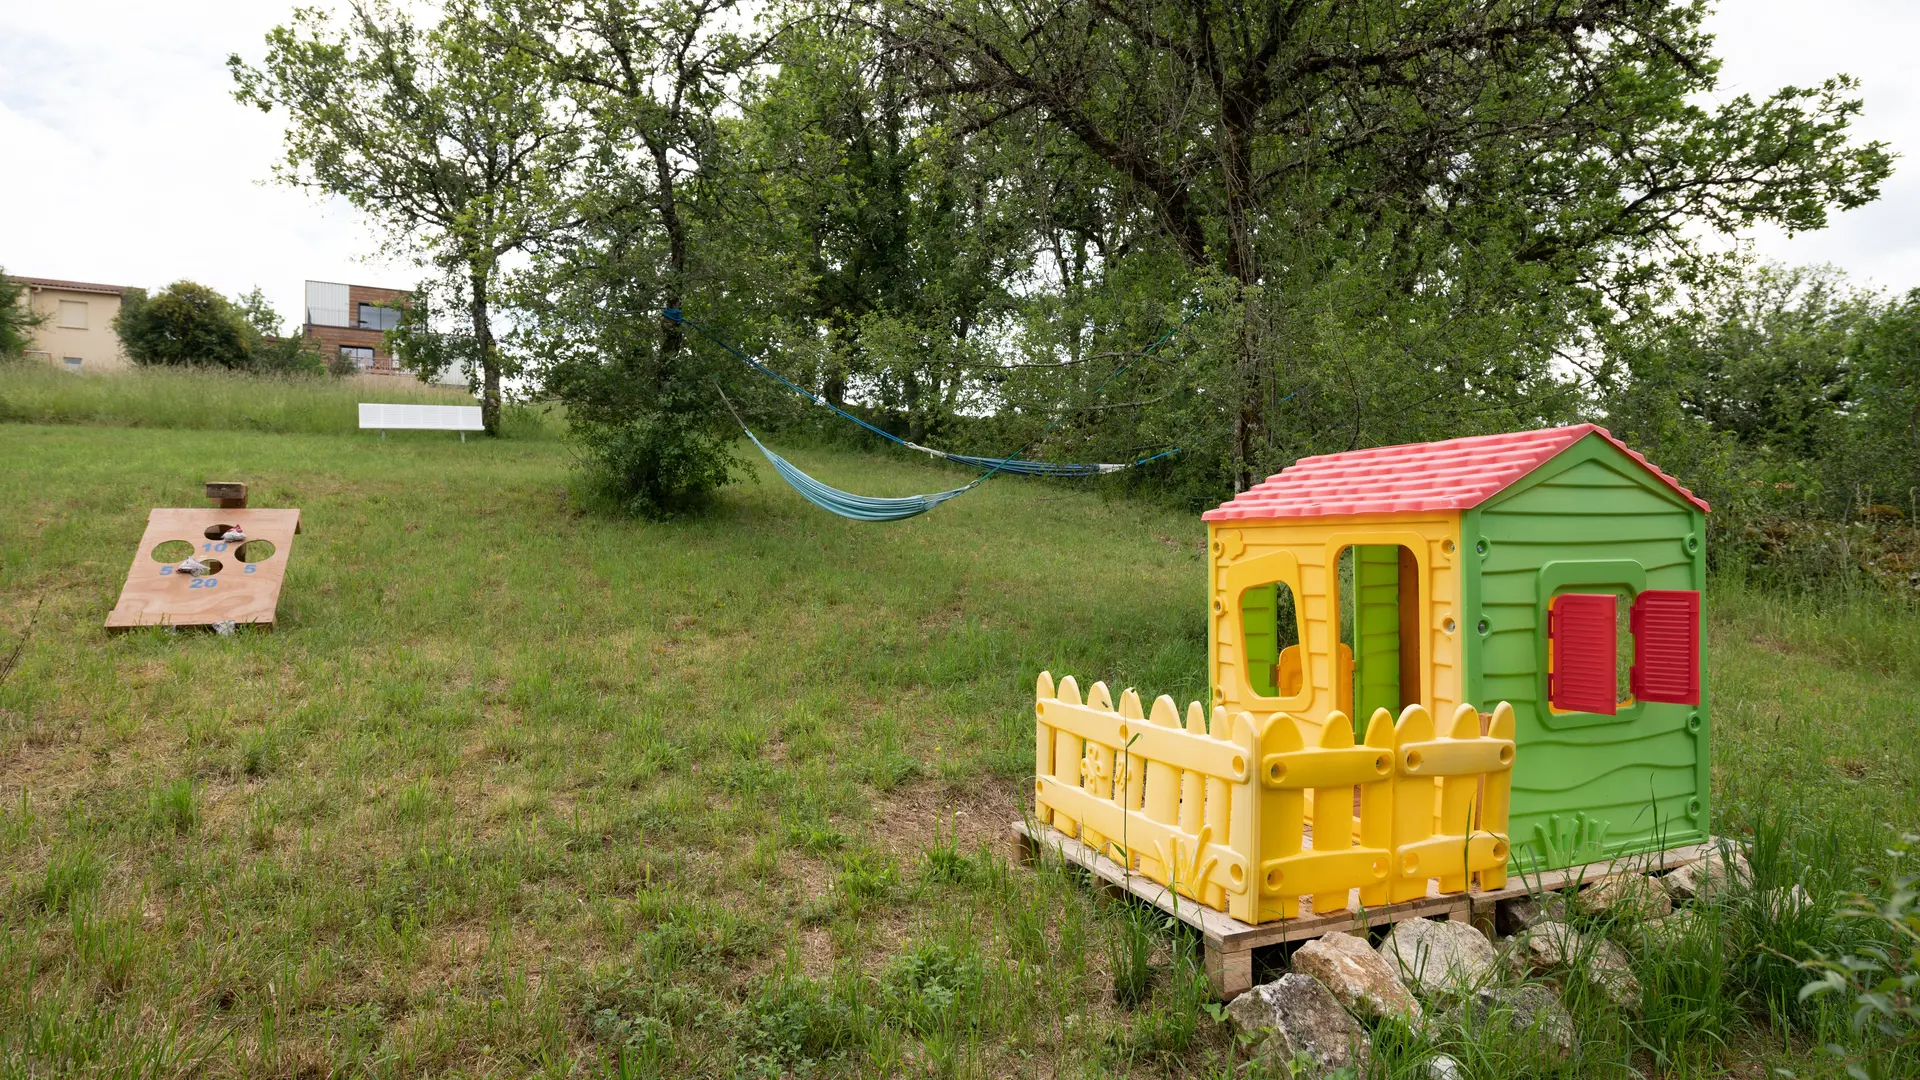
<point x="95" y="345"/>
<point x="328" y="339"/>
<point x="1246" y="554"/>
<point x="1585" y="786"/>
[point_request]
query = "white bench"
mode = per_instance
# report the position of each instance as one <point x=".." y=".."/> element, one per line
<point x="460" y="418"/>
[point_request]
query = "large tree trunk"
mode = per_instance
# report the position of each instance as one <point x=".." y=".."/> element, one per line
<point x="483" y="345"/>
<point x="671" y="335"/>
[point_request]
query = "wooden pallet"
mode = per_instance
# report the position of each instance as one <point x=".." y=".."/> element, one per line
<point x="1230" y="942"/>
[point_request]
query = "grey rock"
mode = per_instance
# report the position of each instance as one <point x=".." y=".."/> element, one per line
<point x="1555" y="946"/>
<point x="1780" y="903"/>
<point x="1512" y="916"/>
<point x="1442" y="1067"/>
<point x="1532" y="1013"/>
<point x="1299" y="1019"/>
<point x="1357" y="976"/>
<point x="1627" y="896"/>
<point x="1699" y="880"/>
<point x="1437" y="957"/>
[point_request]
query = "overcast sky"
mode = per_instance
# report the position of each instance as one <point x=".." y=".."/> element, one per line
<point x="124" y="159"/>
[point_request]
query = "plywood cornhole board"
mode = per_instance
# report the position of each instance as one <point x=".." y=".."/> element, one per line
<point x="243" y="592"/>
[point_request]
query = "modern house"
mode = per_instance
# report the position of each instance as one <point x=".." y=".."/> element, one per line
<point x="77" y="333"/>
<point x="350" y="322"/>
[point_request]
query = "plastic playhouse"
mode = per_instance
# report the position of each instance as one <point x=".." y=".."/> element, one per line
<point x="1362" y="603"/>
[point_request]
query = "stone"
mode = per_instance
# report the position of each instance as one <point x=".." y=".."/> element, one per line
<point x="1532" y="1013"/>
<point x="1555" y="946"/>
<point x="1442" y="1067"/>
<point x="1296" y="1018"/>
<point x="1357" y="976"/>
<point x="1512" y="916"/>
<point x="1672" y="930"/>
<point x="1698" y="880"/>
<point x="1627" y="896"/>
<point x="1437" y="957"/>
<point x="1780" y="903"/>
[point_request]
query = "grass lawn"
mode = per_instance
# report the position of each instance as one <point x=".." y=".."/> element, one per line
<point x="514" y="790"/>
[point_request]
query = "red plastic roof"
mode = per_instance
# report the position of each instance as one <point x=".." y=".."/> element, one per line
<point x="1457" y="474"/>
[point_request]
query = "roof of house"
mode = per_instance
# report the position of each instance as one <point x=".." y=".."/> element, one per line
<point x="71" y="286"/>
<point x="1456" y="474"/>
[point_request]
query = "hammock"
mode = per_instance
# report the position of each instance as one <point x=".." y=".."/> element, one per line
<point x="866" y="508"/>
<point x="848" y="505"/>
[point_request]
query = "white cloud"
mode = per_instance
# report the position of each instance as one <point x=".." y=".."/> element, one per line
<point x="1767" y="44"/>
<point x="124" y="158"/>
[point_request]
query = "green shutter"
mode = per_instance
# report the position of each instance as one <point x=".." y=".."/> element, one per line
<point x="1258" y="624"/>
<point x="1376" y="632"/>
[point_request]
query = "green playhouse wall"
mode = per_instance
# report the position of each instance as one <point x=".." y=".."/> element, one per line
<point x="1585" y="786"/>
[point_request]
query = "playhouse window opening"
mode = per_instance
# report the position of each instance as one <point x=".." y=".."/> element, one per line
<point x="1378" y="600"/>
<point x="1270" y="626"/>
<point x="1585" y="632"/>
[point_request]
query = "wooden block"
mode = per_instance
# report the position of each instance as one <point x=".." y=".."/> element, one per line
<point x="1230" y="972"/>
<point x="241" y="592"/>
<point x="230" y="494"/>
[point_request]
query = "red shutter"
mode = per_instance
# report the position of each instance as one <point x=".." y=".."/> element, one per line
<point x="1666" y="646"/>
<point x="1580" y="630"/>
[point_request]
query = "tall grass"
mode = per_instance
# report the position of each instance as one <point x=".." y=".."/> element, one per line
<point x="515" y="791"/>
<point x="220" y="400"/>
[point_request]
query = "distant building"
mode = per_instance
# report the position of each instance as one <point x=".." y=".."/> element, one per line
<point x="351" y="321"/>
<point x="77" y="333"/>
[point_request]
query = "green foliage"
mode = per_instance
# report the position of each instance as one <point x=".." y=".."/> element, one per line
<point x="17" y="318"/>
<point x="184" y="324"/>
<point x="1881" y="976"/>
<point x="452" y="135"/>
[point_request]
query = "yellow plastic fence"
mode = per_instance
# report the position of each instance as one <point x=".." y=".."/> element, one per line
<point x="1243" y="816"/>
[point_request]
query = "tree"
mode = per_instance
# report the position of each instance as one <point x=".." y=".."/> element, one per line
<point x="269" y="349"/>
<point x="1532" y="166"/>
<point x="654" y="234"/>
<point x="17" y="318"/>
<point x="453" y="138"/>
<point x="186" y="323"/>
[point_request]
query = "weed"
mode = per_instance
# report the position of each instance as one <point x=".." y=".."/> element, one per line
<point x="73" y="873"/>
<point x="1130" y="954"/>
<point x="173" y="807"/>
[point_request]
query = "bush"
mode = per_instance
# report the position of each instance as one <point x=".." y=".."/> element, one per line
<point x="655" y="464"/>
<point x="187" y="323"/>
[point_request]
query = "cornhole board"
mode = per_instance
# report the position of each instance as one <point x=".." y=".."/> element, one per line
<point x="244" y="592"/>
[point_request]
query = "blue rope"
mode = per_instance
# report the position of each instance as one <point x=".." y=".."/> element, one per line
<point x="1014" y="464"/>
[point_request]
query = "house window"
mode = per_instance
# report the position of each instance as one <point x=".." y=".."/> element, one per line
<point x="1604" y="655"/>
<point x="359" y="355"/>
<point x="375" y="317"/>
<point x="73" y="363"/>
<point x="73" y="314"/>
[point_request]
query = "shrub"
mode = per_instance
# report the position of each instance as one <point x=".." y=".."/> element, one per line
<point x="654" y="464"/>
<point x="186" y="323"/>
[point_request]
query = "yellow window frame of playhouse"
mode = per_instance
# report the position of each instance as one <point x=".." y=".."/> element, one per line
<point x="1414" y="542"/>
<point x="1281" y="567"/>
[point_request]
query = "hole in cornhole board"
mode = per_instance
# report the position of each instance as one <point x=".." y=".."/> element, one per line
<point x="254" y="551"/>
<point x="215" y="532"/>
<point x="213" y="566"/>
<point x="171" y="551"/>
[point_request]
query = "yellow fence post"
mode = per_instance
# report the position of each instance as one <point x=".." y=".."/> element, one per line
<point x="1067" y="751"/>
<point x="1042" y="745"/>
<point x="1376" y="810"/>
<point x="1096" y="772"/>
<point x="1412" y="808"/>
<point x="1497" y="797"/>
